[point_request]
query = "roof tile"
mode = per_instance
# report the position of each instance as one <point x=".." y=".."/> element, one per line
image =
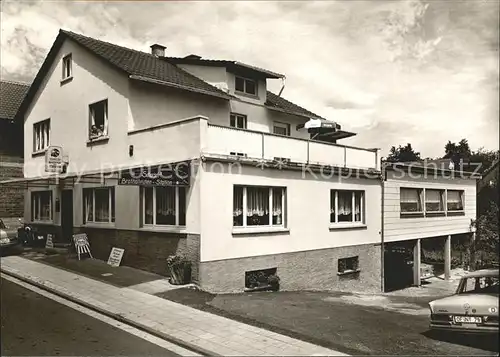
<point x="11" y="97"/>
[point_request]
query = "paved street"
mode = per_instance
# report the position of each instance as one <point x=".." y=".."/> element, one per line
<point x="35" y="325"/>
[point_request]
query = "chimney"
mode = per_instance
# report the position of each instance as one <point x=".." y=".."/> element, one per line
<point x="158" y="50"/>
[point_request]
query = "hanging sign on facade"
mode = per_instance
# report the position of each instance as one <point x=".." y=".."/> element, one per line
<point x="49" y="243"/>
<point x="115" y="257"/>
<point x="54" y="159"/>
<point x="174" y="174"/>
<point x="82" y="244"/>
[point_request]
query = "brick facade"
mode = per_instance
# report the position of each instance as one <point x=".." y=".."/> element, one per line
<point x="309" y="270"/>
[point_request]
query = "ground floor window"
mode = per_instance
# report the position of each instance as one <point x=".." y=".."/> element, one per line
<point x="41" y="206"/>
<point x="258" y="206"/>
<point x="348" y="265"/>
<point x="99" y="205"/>
<point x="164" y="206"/>
<point x="347" y="206"/>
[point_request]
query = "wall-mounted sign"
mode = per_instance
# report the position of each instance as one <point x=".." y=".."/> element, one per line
<point x="54" y="159"/>
<point x="115" y="257"/>
<point x="174" y="174"/>
<point x="82" y="244"/>
<point x="49" y="243"/>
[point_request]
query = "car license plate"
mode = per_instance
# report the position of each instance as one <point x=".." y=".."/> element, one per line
<point x="468" y="319"/>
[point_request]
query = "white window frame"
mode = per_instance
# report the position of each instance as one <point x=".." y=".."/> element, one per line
<point x="245" y="208"/>
<point x="105" y="132"/>
<point x="177" y="211"/>
<point x="421" y="197"/>
<point x="461" y="194"/>
<point x="353" y="197"/>
<point x="442" y="197"/>
<point x="41" y="135"/>
<point x="36" y="206"/>
<point x="282" y="125"/>
<point x="111" y="197"/>
<point x="67" y="67"/>
<point x="237" y="119"/>
<point x="256" y="86"/>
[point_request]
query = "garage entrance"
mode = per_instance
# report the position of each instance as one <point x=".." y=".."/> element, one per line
<point x="398" y="265"/>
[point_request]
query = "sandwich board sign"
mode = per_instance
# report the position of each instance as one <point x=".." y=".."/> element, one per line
<point x="115" y="257"/>
<point x="49" y="243"/>
<point x="82" y="244"/>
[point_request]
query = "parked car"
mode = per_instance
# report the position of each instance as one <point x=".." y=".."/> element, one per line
<point x="9" y="239"/>
<point x="473" y="307"/>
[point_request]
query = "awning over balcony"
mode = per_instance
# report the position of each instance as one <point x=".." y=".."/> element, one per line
<point x="325" y="130"/>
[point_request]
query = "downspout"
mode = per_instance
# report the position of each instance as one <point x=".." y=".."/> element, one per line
<point x="282" y="85"/>
<point x="383" y="178"/>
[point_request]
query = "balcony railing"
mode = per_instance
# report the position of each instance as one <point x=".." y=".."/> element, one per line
<point x="223" y="140"/>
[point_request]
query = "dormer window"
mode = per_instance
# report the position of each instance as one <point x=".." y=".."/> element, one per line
<point x="244" y="85"/>
<point x="67" y="70"/>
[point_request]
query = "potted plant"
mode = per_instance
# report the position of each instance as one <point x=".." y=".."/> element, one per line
<point x="180" y="270"/>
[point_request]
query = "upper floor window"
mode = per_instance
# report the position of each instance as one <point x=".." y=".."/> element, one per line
<point x="347" y="206"/>
<point x="258" y="206"/>
<point x="98" y="119"/>
<point x="245" y="85"/>
<point x="164" y="206"/>
<point x="41" y="135"/>
<point x="455" y="200"/>
<point x="99" y="205"/>
<point x="238" y="121"/>
<point x="434" y="200"/>
<point x="410" y="200"/>
<point x="41" y="206"/>
<point x="67" y="67"/>
<point x="281" y="128"/>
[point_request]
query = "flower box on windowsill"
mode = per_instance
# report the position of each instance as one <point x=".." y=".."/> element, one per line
<point x="97" y="139"/>
<point x="348" y="272"/>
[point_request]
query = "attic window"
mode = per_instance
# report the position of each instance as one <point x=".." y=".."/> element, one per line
<point x="67" y="70"/>
<point x="245" y="85"/>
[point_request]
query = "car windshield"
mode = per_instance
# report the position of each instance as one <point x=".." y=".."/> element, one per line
<point x="479" y="285"/>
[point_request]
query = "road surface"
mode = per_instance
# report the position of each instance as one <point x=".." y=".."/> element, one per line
<point x="33" y="324"/>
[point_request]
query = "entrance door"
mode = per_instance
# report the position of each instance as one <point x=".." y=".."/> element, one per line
<point x="67" y="214"/>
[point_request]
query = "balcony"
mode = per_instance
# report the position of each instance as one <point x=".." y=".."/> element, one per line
<point x="223" y="140"/>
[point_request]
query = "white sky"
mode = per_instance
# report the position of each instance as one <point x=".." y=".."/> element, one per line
<point x="392" y="71"/>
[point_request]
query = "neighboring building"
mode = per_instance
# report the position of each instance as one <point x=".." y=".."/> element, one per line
<point x="487" y="188"/>
<point x="11" y="149"/>
<point x="425" y="209"/>
<point x="250" y="202"/>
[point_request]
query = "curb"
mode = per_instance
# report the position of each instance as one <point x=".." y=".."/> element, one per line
<point x="117" y="317"/>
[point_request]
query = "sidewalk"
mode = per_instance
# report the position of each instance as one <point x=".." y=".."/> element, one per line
<point x="204" y="332"/>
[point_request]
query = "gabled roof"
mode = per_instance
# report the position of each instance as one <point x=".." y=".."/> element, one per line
<point x="11" y="97"/>
<point x="279" y="103"/>
<point x="146" y="67"/>
<point x="230" y="65"/>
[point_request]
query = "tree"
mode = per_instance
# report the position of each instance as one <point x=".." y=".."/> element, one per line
<point x="486" y="245"/>
<point x="403" y="154"/>
<point x="462" y="149"/>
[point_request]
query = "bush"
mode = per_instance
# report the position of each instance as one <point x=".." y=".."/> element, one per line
<point x="180" y="269"/>
<point x="274" y="281"/>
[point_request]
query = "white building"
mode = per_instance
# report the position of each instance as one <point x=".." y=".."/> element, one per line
<point x="260" y="193"/>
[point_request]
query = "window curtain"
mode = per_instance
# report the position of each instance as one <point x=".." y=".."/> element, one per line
<point x="238" y="201"/>
<point x="409" y="196"/>
<point x="358" y="196"/>
<point x="433" y="200"/>
<point x="257" y="201"/>
<point x="88" y="201"/>
<point x="165" y="205"/>
<point x="37" y="138"/>
<point x="102" y="205"/>
<point x="277" y="211"/>
<point x="345" y="203"/>
<point x="105" y="116"/>
<point x="148" y="205"/>
<point x="454" y="201"/>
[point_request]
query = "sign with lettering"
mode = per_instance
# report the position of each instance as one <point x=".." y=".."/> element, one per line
<point x="82" y="244"/>
<point x="54" y="159"/>
<point x="174" y="174"/>
<point x="115" y="257"/>
<point x="49" y="243"/>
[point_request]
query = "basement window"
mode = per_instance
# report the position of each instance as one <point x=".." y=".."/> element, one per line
<point x="256" y="279"/>
<point x="348" y="265"/>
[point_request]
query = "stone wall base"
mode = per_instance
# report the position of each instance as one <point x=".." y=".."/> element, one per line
<point x="309" y="270"/>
